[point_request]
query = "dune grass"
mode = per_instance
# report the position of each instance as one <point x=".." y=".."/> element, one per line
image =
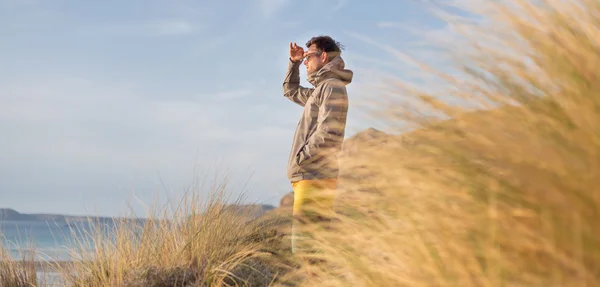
<point x="201" y="242"/>
<point x="506" y="192"/>
<point x="17" y="273"/>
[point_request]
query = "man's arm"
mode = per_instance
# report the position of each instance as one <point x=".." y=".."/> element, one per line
<point x="291" y="85"/>
<point x="329" y="135"/>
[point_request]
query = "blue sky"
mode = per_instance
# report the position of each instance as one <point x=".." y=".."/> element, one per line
<point x="105" y="104"/>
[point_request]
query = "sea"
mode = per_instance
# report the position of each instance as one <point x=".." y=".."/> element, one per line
<point x="45" y="242"/>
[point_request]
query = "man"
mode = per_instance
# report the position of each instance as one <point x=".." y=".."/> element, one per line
<point x="313" y="167"/>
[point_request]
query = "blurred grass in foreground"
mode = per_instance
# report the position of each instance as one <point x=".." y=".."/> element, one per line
<point x="506" y="192"/>
<point x="17" y="273"/>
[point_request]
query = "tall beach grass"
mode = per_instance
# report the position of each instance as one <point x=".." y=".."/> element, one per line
<point x="499" y="182"/>
<point x="203" y="239"/>
<point x="197" y="242"/>
<point x="17" y="272"/>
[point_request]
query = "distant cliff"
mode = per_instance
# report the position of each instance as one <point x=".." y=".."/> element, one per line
<point x="11" y="214"/>
<point x="252" y="210"/>
<point x="368" y="137"/>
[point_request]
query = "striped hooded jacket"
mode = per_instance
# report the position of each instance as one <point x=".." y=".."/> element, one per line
<point x="320" y="131"/>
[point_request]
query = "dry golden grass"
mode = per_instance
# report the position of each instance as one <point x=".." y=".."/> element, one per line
<point x="200" y="243"/>
<point x="17" y="273"/>
<point x="507" y="194"/>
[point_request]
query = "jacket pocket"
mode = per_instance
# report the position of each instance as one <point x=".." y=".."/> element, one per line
<point x="299" y="155"/>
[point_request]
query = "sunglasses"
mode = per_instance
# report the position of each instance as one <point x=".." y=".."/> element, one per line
<point x="308" y="55"/>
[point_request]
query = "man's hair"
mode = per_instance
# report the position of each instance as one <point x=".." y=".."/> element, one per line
<point x="326" y="44"/>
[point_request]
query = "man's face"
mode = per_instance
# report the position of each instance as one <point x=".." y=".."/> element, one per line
<point x="313" y="59"/>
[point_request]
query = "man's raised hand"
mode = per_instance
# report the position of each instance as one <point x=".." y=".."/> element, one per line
<point x="296" y="52"/>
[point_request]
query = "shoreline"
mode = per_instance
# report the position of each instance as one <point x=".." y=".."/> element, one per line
<point x="44" y="265"/>
<point x="51" y="266"/>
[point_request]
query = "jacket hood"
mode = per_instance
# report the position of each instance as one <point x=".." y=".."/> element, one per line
<point x="334" y="69"/>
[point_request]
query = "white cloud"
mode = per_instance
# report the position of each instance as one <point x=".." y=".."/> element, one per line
<point x="338" y="6"/>
<point x="387" y="24"/>
<point x="81" y="121"/>
<point x="210" y="44"/>
<point x="113" y="133"/>
<point x="173" y="27"/>
<point x="150" y="28"/>
<point x="231" y="95"/>
<point x="271" y="7"/>
<point x="334" y="6"/>
<point x="28" y="4"/>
